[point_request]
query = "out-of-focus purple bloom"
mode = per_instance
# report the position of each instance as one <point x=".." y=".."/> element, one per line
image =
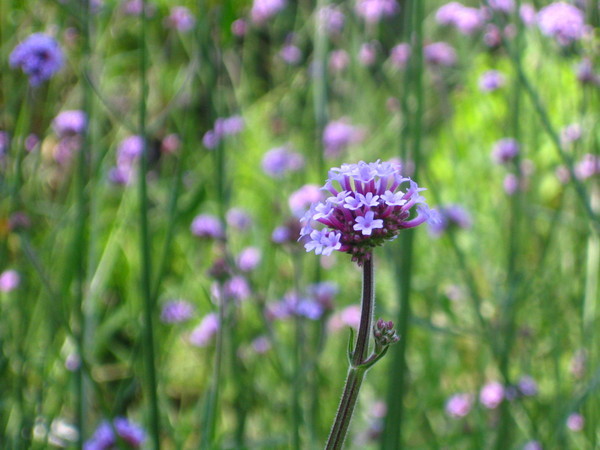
<point x="210" y="140"/>
<point x="373" y="11"/>
<point x="4" y="143"/>
<point x="347" y="317"/>
<point x="105" y="439"/>
<point x="204" y="332"/>
<point x="291" y="54"/>
<point x="467" y="20"/>
<point x="492" y="36"/>
<point x="281" y="235"/>
<point x="575" y="422"/>
<point x="281" y="160"/>
<point x="135" y="7"/>
<point x="399" y="55"/>
<point x="207" y="226"/>
<point x="533" y="445"/>
<point x="570" y="133"/>
<point x="505" y="150"/>
<point x="365" y="209"/>
<point x="331" y="19"/>
<point x="176" y="311"/>
<point x="180" y="19"/>
<point x="338" y="60"/>
<point x="39" y="56"/>
<point x="229" y="126"/>
<point x="528" y="14"/>
<point x="237" y="288"/>
<point x="459" y="405"/>
<point x="338" y="135"/>
<point x="578" y="364"/>
<point x="587" y="167"/>
<point x="303" y="197"/>
<point x="248" y="259"/>
<point x="170" y="143"/>
<point x="9" y="280"/>
<point x="263" y="10"/>
<point x="72" y="362"/>
<point x="491" y="395"/>
<point x="586" y="74"/>
<point x="563" y="21"/>
<point x="323" y="293"/>
<point x="505" y="6"/>
<point x="238" y="219"/>
<point x="491" y="80"/>
<point x="367" y="54"/>
<point x="31" y="141"/>
<point x="511" y="184"/>
<point x="129" y="150"/>
<point x="527" y="386"/>
<point x="450" y="216"/>
<point x="261" y="345"/>
<point x="440" y="54"/>
<point x="310" y="309"/>
<point x="69" y="123"/>
<point x="239" y="27"/>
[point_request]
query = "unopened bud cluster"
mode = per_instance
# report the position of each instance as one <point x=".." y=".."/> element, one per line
<point x="384" y="334"/>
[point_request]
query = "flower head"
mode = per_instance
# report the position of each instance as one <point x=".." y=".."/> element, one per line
<point x="367" y="207"/>
<point x="280" y="160"/>
<point x="69" y="123"/>
<point x="39" y="56"/>
<point x="563" y="21"/>
<point x="450" y="216"/>
<point x="180" y="19"/>
<point x="105" y="439"/>
<point x="491" y="395"/>
<point x="208" y="226"/>
<point x="9" y="280"/>
<point x="491" y="80"/>
<point x="263" y="10"/>
<point x="459" y="405"/>
<point x="505" y="150"/>
<point x="465" y="19"/>
<point x="203" y="333"/>
<point x="440" y="54"/>
<point x="375" y="10"/>
<point x="176" y="311"/>
<point x="338" y="135"/>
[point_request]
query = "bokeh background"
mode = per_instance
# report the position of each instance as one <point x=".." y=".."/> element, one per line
<point x="155" y="159"/>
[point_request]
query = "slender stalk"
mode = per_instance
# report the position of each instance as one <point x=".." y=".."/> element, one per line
<point x="147" y="332"/>
<point x="356" y="373"/>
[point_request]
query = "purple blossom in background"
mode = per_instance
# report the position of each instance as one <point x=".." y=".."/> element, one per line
<point x="299" y="200"/>
<point x="281" y="160"/>
<point x="104" y="438"/>
<point x="491" y="80"/>
<point x="399" y="55"/>
<point x="9" y="280"/>
<point x="207" y="226"/>
<point x="4" y="143"/>
<point x="527" y="386"/>
<point x="204" y="332"/>
<point x="465" y="19"/>
<point x="176" y="311"/>
<point x="237" y="289"/>
<point x="69" y="123"/>
<point x="338" y="135"/>
<point x="338" y="60"/>
<point x="373" y="11"/>
<point x="367" y="55"/>
<point x="459" y="405"/>
<point x="511" y="184"/>
<point x="492" y="36"/>
<point x="31" y="141"/>
<point x="323" y="293"/>
<point x="570" y="133"/>
<point x="180" y="19"/>
<point x="263" y="10"/>
<point x="128" y="152"/>
<point x="331" y="19"/>
<point x="210" y="140"/>
<point x="365" y="209"/>
<point x="491" y="395"/>
<point x="347" y="317"/>
<point x="563" y="21"/>
<point x="281" y="235"/>
<point x="291" y="54"/>
<point x="533" y="445"/>
<point x="505" y="150"/>
<point x="239" y="27"/>
<point x="575" y="422"/>
<point x="528" y="14"/>
<point x="261" y="345"/>
<point x="229" y="126"/>
<point x="585" y="72"/>
<point x="170" y="143"/>
<point x="248" y="259"/>
<point x="440" y="54"/>
<point x="310" y="309"/>
<point x="505" y="6"/>
<point x="39" y="56"/>
<point x="578" y="364"/>
<point x="587" y="167"/>
<point x="239" y="219"/>
<point x="450" y="216"/>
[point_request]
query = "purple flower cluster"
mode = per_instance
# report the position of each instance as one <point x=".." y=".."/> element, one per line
<point x="450" y="216"/>
<point x="9" y="280"/>
<point x="69" y="123"/>
<point x="338" y="135"/>
<point x="440" y="54"/>
<point x="459" y="405"/>
<point x="104" y="438"/>
<point x="281" y="160"/>
<point x="563" y="21"/>
<point x="263" y="10"/>
<point x="39" y="56"/>
<point x="180" y="19"/>
<point x="491" y="80"/>
<point x="204" y="332"/>
<point x="366" y="209"/>
<point x="224" y="126"/>
<point x="374" y="11"/>
<point x="505" y="150"/>
<point x="465" y="19"/>
<point x="128" y="152"/>
<point x="176" y="311"/>
<point x="207" y="226"/>
<point x="312" y="305"/>
<point x="400" y="54"/>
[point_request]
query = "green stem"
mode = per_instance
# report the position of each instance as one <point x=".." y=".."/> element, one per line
<point x="356" y="373"/>
<point x="145" y="253"/>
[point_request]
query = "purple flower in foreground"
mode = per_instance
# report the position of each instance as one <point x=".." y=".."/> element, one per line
<point x="563" y="21"/>
<point x="491" y="80"/>
<point x="69" y="123"/>
<point x="39" y="56"/>
<point x="366" y="208"/>
<point x="491" y="395"/>
<point x="176" y="311"/>
<point x="375" y="10"/>
<point x="105" y="439"/>
<point x="505" y="150"/>
<point x="440" y="54"/>
<point x="204" y="332"/>
<point x="459" y="405"/>
<point x="207" y="226"/>
<point x="9" y="280"/>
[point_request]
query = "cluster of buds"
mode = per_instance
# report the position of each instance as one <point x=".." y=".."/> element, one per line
<point x="384" y="334"/>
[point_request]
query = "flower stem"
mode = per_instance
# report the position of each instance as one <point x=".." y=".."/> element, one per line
<point x="356" y="373"/>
